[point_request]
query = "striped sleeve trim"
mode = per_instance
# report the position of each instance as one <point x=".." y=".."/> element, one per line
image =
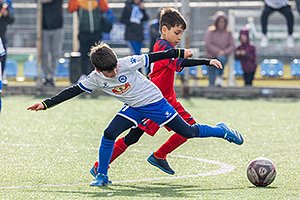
<point x="146" y="60"/>
<point x="84" y="88"/>
<point x="45" y="105"/>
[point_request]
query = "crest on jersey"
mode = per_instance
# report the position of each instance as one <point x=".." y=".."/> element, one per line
<point x="121" y="88"/>
<point x="122" y="79"/>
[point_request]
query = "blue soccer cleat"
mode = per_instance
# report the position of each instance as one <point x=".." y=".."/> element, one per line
<point x="100" y="180"/>
<point x="162" y="164"/>
<point x="231" y="135"/>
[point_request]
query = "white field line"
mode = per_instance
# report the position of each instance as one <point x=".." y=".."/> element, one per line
<point x="223" y="169"/>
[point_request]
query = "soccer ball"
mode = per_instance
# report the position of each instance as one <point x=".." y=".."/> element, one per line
<point x="261" y="172"/>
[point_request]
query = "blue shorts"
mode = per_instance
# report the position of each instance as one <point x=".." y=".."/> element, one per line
<point x="161" y="112"/>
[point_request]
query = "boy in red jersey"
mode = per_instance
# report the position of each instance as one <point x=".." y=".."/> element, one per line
<point x="172" y="26"/>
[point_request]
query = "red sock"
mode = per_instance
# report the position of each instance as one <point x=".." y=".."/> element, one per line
<point x="170" y="145"/>
<point x="119" y="148"/>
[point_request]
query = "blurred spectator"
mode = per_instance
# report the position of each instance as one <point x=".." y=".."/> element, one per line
<point x="246" y="53"/>
<point x="298" y="5"/>
<point x="133" y="16"/>
<point x="284" y="8"/>
<point x="52" y="38"/>
<point x="154" y="30"/>
<point x="2" y="54"/>
<point x="6" y="17"/>
<point x="90" y="30"/>
<point x="219" y="44"/>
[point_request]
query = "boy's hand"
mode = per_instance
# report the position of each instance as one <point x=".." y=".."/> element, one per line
<point x="37" y="106"/>
<point x="188" y="53"/>
<point x="216" y="63"/>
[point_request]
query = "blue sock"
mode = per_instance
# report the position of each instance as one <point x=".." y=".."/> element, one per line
<point x="105" y="152"/>
<point x="210" y="131"/>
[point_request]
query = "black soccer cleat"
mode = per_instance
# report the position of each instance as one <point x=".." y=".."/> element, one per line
<point x="162" y="164"/>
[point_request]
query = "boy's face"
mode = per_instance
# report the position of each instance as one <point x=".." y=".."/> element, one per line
<point x="173" y="35"/>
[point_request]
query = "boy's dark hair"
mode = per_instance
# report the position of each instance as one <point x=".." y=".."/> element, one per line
<point x="171" y="17"/>
<point x="102" y="57"/>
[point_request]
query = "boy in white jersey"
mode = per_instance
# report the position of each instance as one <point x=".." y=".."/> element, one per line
<point x="120" y="78"/>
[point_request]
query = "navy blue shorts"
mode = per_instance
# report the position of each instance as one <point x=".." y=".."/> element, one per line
<point x="161" y="112"/>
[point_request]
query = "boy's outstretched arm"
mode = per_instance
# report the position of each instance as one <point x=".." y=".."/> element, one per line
<point x="64" y="95"/>
<point x="171" y="53"/>
<point x="195" y="62"/>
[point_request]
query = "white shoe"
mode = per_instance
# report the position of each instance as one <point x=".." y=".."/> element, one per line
<point x="290" y="41"/>
<point x="264" y="41"/>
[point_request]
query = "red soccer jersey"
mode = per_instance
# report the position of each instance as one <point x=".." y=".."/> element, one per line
<point x="163" y="72"/>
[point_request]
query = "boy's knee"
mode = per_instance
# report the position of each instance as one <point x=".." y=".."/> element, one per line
<point x="109" y="134"/>
<point x="131" y="139"/>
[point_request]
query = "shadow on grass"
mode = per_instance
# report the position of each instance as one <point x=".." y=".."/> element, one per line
<point x="151" y="190"/>
<point x="263" y="188"/>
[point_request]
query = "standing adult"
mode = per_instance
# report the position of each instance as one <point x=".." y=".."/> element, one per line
<point x="90" y="28"/>
<point x="219" y="44"/>
<point x="6" y="18"/>
<point x="133" y="16"/>
<point x="284" y="8"/>
<point x="52" y="38"/>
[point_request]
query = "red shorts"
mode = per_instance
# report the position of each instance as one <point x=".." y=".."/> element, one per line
<point x="151" y="127"/>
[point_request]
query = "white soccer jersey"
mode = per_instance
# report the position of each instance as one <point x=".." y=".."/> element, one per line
<point x="129" y="85"/>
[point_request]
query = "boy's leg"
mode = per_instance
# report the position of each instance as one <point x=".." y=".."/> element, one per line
<point x="120" y="146"/>
<point x="176" y="139"/>
<point x="118" y="125"/>
<point x="201" y="130"/>
<point x="123" y="143"/>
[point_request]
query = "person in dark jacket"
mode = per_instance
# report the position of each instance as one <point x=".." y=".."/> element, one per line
<point x="154" y="30"/>
<point x="246" y="53"/>
<point x="90" y="28"/>
<point x="52" y="38"/>
<point x="133" y="16"/>
<point x="6" y="18"/>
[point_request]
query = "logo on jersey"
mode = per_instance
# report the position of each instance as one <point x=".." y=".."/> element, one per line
<point x="121" y="88"/>
<point x="133" y="60"/>
<point x="122" y="79"/>
<point x="105" y="85"/>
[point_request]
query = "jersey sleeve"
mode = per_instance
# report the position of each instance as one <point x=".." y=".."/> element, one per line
<point x="89" y="84"/>
<point x="172" y="63"/>
<point x="136" y="62"/>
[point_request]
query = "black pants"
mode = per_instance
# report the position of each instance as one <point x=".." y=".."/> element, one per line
<point x="87" y="40"/>
<point x="248" y="78"/>
<point x="285" y="11"/>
